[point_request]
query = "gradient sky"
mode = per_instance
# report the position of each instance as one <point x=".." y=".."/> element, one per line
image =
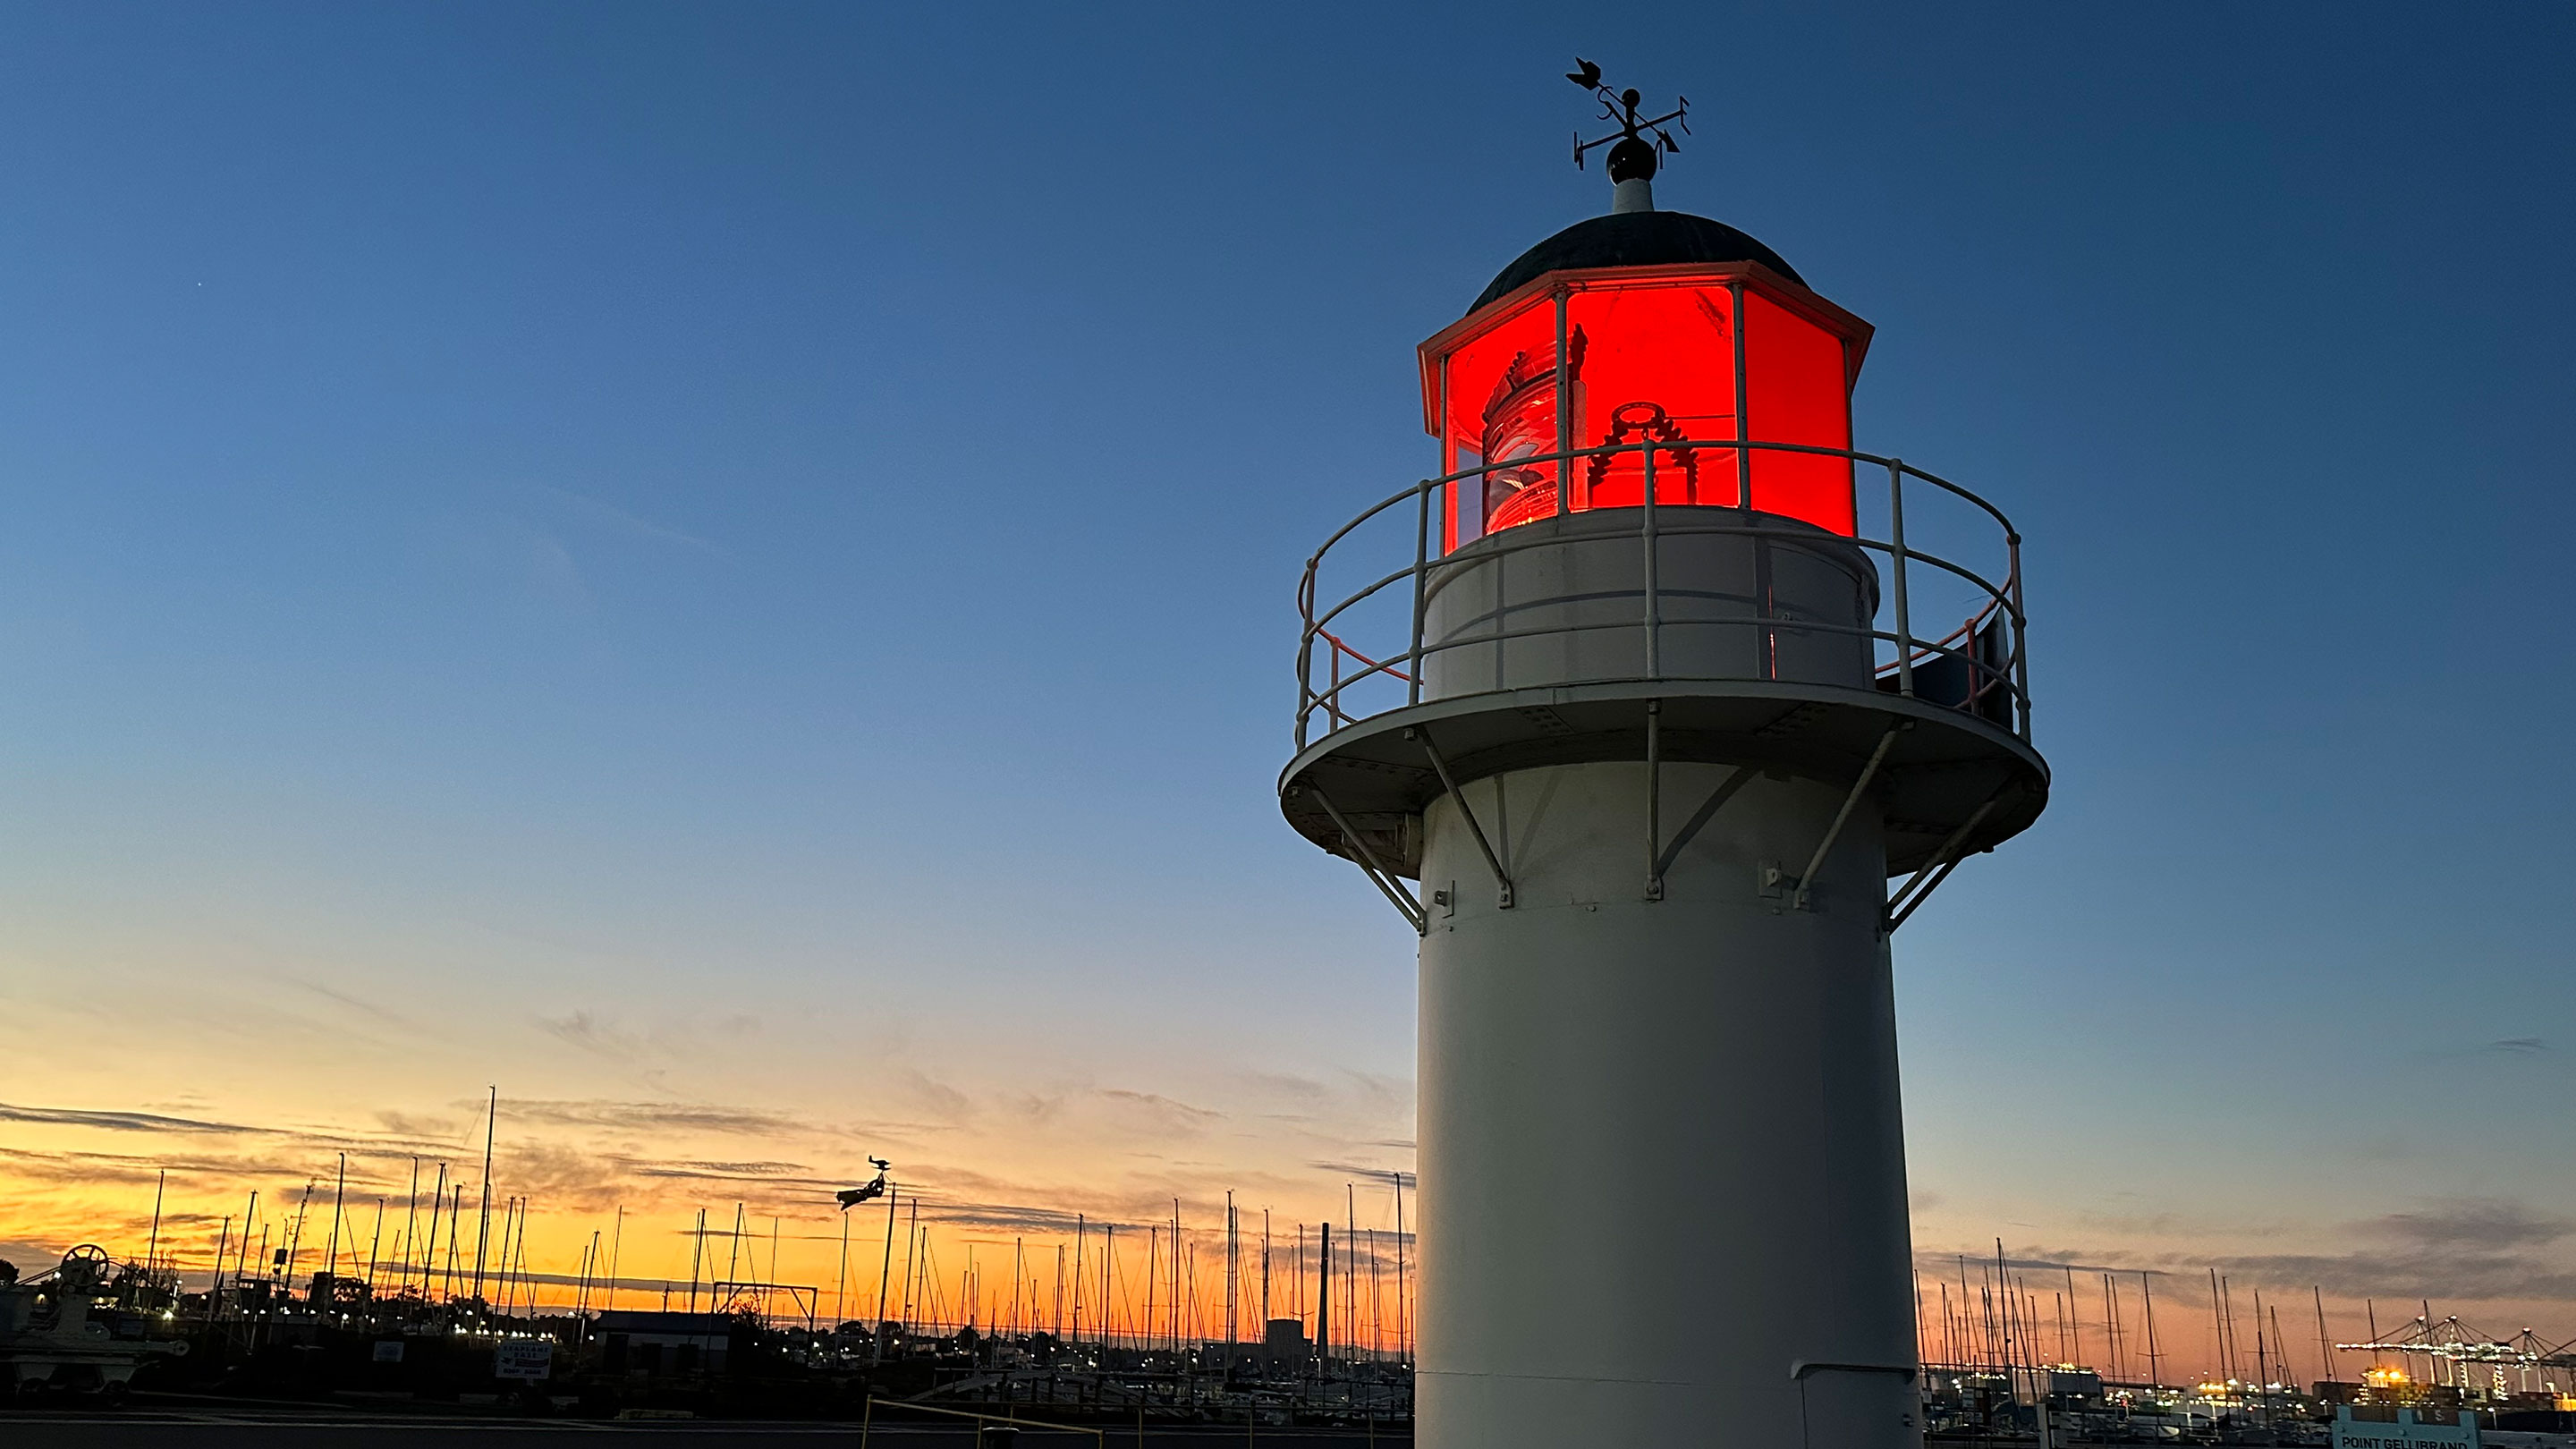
<point x="728" y="570"/>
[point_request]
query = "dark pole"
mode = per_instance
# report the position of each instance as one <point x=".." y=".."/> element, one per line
<point x="1324" y="1305"/>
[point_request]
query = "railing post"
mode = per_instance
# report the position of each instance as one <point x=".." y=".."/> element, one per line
<point x="1305" y="651"/>
<point x="1766" y="641"/>
<point x="1564" y="415"/>
<point x="1654" y="799"/>
<point x="1743" y="425"/>
<point x="2021" y="649"/>
<point x="1421" y="581"/>
<point x="1904" y="615"/>
<point x="1654" y="612"/>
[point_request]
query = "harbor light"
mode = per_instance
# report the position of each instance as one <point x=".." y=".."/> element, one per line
<point x="1633" y="712"/>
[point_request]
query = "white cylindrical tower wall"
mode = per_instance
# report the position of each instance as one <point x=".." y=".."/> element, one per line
<point x="1662" y="1158"/>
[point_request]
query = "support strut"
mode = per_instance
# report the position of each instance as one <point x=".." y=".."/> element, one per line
<point x="1502" y="878"/>
<point x="1378" y="875"/>
<point x="1917" y="888"/>
<point x="1868" y="773"/>
<point x="1661" y="854"/>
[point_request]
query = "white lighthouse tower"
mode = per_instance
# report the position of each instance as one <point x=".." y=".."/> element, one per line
<point x="1652" y="722"/>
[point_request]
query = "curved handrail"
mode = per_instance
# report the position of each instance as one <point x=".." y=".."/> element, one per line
<point x="1998" y="599"/>
<point x="1508" y="544"/>
<point x="1389" y="667"/>
<point x="1968" y="630"/>
<point x="1994" y="676"/>
<point x="1996" y="594"/>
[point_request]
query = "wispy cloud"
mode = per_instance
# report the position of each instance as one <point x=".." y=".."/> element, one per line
<point x="2459" y="1249"/>
<point x="654" y="1117"/>
<point x="1157" y="1113"/>
<point x="364" y="1008"/>
<point x="1374" y="1171"/>
<point x="112" y="1121"/>
<point x="2476" y="1225"/>
<point x="610" y="518"/>
<point x="602" y="1037"/>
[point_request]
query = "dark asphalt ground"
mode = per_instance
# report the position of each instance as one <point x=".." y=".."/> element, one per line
<point x="197" y="1427"/>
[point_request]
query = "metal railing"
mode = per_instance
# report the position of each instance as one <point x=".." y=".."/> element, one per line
<point x="1897" y="651"/>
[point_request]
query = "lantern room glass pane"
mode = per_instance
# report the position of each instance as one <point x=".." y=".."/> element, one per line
<point x="1502" y="408"/>
<point x="1647" y="360"/>
<point x="1797" y="390"/>
<point x="1653" y="361"/>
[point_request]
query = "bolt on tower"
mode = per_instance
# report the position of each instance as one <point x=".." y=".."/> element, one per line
<point x="1655" y="714"/>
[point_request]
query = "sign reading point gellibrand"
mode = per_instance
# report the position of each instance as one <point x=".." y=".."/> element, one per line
<point x="530" y="1359"/>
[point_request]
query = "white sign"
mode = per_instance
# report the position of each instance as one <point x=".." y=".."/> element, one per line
<point x="389" y="1350"/>
<point x="523" y="1358"/>
<point x="2353" y="1433"/>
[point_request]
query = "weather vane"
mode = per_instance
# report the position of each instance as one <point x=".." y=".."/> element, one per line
<point x="1633" y="155"/>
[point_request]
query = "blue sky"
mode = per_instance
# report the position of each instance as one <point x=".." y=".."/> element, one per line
<point x="744" y="554"/>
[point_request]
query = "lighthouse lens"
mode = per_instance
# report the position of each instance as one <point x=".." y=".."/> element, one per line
<point x="1520" y="423"/>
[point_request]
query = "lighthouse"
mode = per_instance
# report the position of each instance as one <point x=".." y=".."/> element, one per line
<point x="1656" y="712"/>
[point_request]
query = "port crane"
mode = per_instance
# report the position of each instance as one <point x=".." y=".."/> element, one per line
<point x="2457" y="1345"/>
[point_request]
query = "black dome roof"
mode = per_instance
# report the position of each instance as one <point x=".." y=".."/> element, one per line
<point x="1636" y="239"/>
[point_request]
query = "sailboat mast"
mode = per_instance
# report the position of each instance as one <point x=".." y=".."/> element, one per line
<point x="911" y="1242"/>
<point x="885" y="1274"/>
<point x="339" y="1200"/>
<point x="411" y="1219"/>
<point x="215" y="1292"/>
<point x="1404" y="1303"/>
<point x="2155" y="1366"/>
<point x="152" y="1252"/>
<point x="484" y="1229"/>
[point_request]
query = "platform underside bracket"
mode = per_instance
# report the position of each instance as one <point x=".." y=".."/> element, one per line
<point x="1378" y="875"/>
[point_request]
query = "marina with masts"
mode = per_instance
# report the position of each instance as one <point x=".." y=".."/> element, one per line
<point x="457" y="1291"/>
<point x="431" y="1300"/>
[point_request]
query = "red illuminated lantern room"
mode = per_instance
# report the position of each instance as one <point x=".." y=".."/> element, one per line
<point x="1635" y="326"/>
